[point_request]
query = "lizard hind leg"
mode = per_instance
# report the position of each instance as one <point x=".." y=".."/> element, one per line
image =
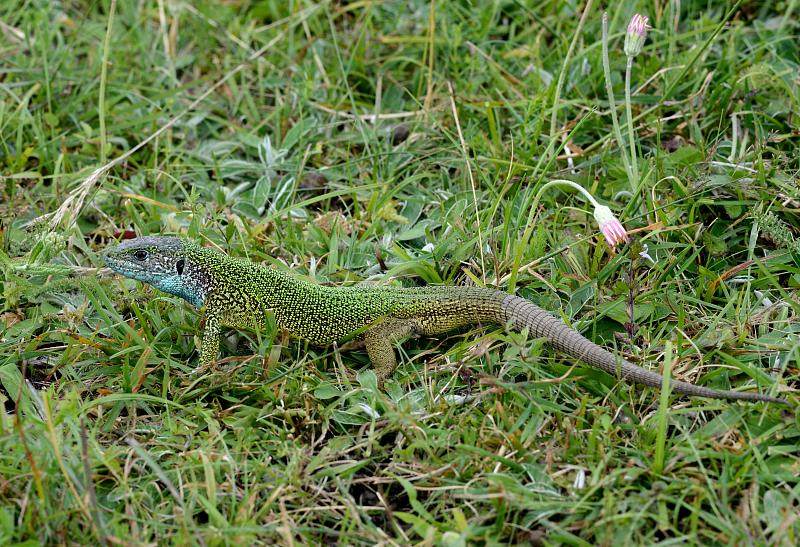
<point x="380" y="339"/>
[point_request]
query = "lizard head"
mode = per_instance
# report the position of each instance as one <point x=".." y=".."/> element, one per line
<point x="160" y="261"/>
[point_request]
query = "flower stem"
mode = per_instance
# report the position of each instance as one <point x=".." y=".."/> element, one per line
<point x="523" y="241"/>
<point x="634" y="157"/>
<point x="612" y="104"/>
<point x="562" y="182"/>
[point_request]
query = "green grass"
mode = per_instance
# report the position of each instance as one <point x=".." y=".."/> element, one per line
<point x="267" y="150"/>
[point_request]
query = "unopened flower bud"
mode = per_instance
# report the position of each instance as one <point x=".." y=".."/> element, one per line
<point x="636" y="35"/>
<point x="612" y="228"/>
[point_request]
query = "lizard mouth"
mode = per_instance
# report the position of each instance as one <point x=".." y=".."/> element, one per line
<point x="124" y="267"/>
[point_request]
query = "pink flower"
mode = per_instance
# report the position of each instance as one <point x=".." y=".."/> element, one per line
<point x="638" y="25"/>
<point x="612" y="228"/>
<point x="636" y="35"/>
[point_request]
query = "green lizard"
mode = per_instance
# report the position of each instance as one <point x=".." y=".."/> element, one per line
<point x="239" y="293"/>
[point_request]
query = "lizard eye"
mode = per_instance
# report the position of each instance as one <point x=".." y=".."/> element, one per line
<point x="140" y="255"/>
<point x="179" y="266"/>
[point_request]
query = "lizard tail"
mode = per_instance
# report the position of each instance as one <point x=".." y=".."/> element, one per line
<point x="521" y="314"/>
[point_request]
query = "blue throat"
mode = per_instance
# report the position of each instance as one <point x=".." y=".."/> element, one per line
<point x="175" y="284"/>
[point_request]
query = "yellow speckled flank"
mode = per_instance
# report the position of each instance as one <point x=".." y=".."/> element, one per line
<point x="238" y="293"/>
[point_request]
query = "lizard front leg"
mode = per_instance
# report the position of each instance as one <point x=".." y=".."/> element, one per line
<point x="209" y="346"/>
<point x="380" y="340"/>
